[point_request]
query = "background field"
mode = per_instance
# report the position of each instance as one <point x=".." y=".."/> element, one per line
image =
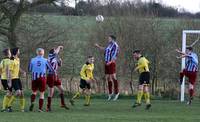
<point x="103" y="111"/>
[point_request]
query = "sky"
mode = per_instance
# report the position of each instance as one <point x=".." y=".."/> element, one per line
<point x="192" y="6"/>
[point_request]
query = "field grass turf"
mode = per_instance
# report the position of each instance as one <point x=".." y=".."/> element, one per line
<point x="103" y="111"/>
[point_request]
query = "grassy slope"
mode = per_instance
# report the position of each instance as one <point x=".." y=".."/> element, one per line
<point x="102" y="111"/>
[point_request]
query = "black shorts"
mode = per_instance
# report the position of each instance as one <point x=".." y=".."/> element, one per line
<point x="16" y="84"/>
<point x="84" y="84"/>
<point x="5" y="85"/>
<point x="144" y="78"/>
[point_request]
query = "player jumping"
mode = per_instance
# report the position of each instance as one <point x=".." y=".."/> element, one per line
<point x="53" y="79"/>
<point x="111" y="52"/>
<point x="38" y="66"/>
<point x="144" y="79"/>
<point x="85" y="82"/>
<point x="190" y="70"/>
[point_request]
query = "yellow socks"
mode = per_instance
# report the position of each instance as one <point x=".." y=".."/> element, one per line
<point x="147" y="97"/>
<point x="76" y="95"/>
<point x="139" y="97"/>
<point x="5" y="102"/>
<point x="87" y="99"/>
<point x="10" y="102"/>
<point x="22" y="103"/>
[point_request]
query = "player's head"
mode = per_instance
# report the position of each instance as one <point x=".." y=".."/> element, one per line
<point x="189" y="49"/>
<point x="15" y="51"/>
<point x="111" y="38"/>
<point x="52" y="51"/>
<point x="7" y="53"/>
<point x="137" y="54"/>
<point x="90" y="59"/>
<point x="40" y="52"/>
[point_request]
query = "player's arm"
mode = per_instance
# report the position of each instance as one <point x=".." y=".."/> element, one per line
<point x="8" y="75"/>
<point x="100" y="47"/>
<point x="182" y="53"/>
<point x="141" y="64"/>
<point x="107" y="57"/>
<point x="57" y="50"/>
<point x="22" y="71"/>
<point x="50" y="67"/>
<point x="30" y="67"/>
<point x="114" y="53"/>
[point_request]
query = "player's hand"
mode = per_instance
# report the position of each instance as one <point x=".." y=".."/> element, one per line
<point x="135" y="69"/>
<point x="24" y="74"/>
<point x="96" y="45"/>
<point x="108" y="63"/>
<point x="61" y="47"/>
<point x="9" y="83"/>
<point x="88" y="81"/>
<point x="177" y="50"/>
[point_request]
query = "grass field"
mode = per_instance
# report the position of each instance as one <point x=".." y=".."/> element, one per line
<point x="103" y="111"/>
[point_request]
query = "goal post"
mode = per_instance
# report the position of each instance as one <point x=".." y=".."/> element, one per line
<point x="184" y="44"/>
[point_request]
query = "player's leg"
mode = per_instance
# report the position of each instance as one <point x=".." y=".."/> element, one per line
<point x="6" y="100"/>
<point x="7" y="96"/>
<point x="21" y="96"/>
<point x="109" y="81"/>
<point x="147" y="96"/>
<point x="15" y="85"/>
<point x="50" y="83"/>
<point x="192" y="79"/>
<point x="62" y="99"/>
<point x="34" y="87"/>
<point x="49" y="99"/>
<point x="139" y="95"/>
<point x="181" y="76"/>
<point x="77" y="94"/>
<point x="42" y="87"/>
<point x="110" y="86"/>
<point x="87" y="94"/>
<point x="116" y="86"/>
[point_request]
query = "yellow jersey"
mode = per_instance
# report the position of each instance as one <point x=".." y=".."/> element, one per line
<point x="15" y="68"/>
<point x="142" y="65"/>
<point x="4" y="66"/>
<point x="87" y="72"/>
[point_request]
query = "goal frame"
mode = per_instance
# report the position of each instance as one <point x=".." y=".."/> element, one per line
<point x="184" y="44"/>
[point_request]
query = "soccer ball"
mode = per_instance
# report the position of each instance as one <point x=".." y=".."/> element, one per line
<point x="99" y="18"/>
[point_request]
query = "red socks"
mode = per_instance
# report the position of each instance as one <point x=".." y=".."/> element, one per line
<point x="116" y="85"/>
<point x="62" y="99"/>
<point x="41" y="101"/>
<point x="33" y="98"/>
<point x="191" y="91"/>
<point x="49" y="102"/>
<point x="110" y="87"/>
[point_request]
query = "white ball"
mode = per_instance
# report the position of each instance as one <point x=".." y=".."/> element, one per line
<point x="99" y="18"/>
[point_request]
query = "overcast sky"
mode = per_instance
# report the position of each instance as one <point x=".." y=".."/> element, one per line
<point x="189" y="5"/>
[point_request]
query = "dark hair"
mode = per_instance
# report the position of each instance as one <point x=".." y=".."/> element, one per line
<point x="14" y="51"/>
<point x="51" y="51"/>
<point x="113" y="37"/>
<point x="90" y="56"/>
<point x="137" y="51"/>
<point x="5" y="51"/>
<point x="189" y="48"/>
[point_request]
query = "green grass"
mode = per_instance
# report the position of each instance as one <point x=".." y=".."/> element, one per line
<point x="103" y="111"/>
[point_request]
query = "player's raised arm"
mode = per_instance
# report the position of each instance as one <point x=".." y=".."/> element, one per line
<point x="57" y="50"/>
<point x="100" y="47"/>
